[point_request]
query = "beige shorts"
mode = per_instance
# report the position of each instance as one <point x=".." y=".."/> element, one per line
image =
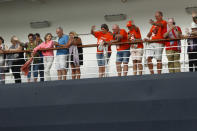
<point x="62" y="62"/>
<point x="136" y="54"/>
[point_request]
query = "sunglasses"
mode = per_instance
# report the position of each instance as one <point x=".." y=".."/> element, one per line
<point x="195" y="17"/>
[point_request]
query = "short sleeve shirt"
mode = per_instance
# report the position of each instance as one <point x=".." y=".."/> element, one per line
<point x="157" y="31"/>
<point x="101" y="36"/>
<point x="137" y="35"/>
<point x="63" y="41"/>
<point x="124" y="39"/>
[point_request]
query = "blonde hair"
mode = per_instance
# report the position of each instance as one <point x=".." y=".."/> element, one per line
<point x="74" y="33"/>
<point x="13" y="38"/>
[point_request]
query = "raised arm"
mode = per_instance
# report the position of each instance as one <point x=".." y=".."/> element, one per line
<point x="77" y="41"/>
<point x="93" y="30"/>
<point x="156" y="24"/>
<point x="168" y="32"/>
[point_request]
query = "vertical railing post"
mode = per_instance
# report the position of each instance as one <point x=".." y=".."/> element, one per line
<point x="184" y="57"/>
<point x="145" y="60"/>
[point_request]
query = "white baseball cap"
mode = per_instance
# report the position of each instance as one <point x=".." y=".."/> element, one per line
<point x="193" y="25"/>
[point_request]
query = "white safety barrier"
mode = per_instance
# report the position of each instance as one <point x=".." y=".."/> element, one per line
<point x="89" y="69"/>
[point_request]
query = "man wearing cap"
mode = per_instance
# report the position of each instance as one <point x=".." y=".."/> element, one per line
<point x="136" y="49"/>
<point x="103" y="37"/>
<point x="192" y="48"/>
<point x="123" y="50"/>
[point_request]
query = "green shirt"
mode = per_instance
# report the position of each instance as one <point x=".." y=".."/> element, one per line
<point x="31" y="46"/>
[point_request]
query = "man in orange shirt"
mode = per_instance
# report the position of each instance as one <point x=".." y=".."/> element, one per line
<point x="136" y="49"/>
<point x="156" y="49"/>
<point x="123" y="50"/>
<point x="103" y="37"/>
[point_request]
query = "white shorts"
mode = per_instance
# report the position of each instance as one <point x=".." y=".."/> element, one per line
<point x="136" y="54"/>
<point x="62" y="62"/>
<point x="155" y="50"/>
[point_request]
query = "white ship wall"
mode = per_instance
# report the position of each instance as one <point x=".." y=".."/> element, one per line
<point x="81" y="15"/>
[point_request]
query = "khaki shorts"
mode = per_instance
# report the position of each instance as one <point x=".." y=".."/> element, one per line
<point x="136" y="54"/>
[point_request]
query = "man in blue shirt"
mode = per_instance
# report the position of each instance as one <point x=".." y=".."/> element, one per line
<point x="62" y="56"/>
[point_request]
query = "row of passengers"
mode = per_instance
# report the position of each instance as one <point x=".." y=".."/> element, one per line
<point x="191" y="55"/>
<point x="159" y="30"/>
<point x="15" y="61"/>
<point x="62" y="56"/>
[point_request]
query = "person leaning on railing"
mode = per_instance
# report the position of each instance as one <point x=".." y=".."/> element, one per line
<point x="62" y="55"/>
<point x="3" y="47"/>
<point x="123" y="50"/>
<point x="192" y="47"/>
<point x="103" y="36"/>
<point x="155" y="50"/>
<point x="38" y="41"/>
<point x="173" y="48"/>
<point x="136" y="49"/>
<point x="15" y="60"/>
<point x="76" y="54"/>
<point x="48" y="54"/>
<point x="29" y="47"/>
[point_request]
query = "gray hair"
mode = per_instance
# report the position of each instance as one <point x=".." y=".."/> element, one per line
<point x="60" y="28"/>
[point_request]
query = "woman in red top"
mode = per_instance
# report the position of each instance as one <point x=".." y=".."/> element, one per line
<point x="136" y="49"/>
<point x="173" y="48"/>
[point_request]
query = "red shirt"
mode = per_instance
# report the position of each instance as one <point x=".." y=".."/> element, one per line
<point x="101" y="36"/>
<point x="124" y="39"/>
<point x="173" y="45"/>
<point x="137" y="35"/>
<point x="157" y="31"/>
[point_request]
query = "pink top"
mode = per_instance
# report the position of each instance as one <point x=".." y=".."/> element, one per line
<point x="45" y="45"/>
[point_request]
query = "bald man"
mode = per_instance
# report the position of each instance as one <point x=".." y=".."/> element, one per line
<point x="123" y="50"/>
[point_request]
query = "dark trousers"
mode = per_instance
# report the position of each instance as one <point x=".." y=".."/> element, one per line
<point x="16" y="73"/>
<point x="41" y="71"/>
<point x="192" y="62"/>
<point x="2" y="76"/>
